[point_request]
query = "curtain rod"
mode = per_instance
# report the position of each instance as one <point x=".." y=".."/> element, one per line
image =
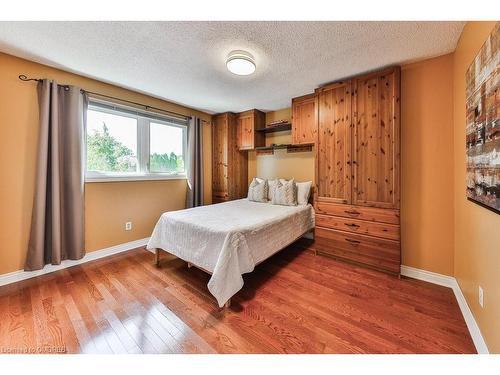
<point x="24" y="78"/>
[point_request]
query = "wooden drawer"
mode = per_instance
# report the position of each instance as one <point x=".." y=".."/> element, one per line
<point x="376" y="252"/>
<point x="371" y="228"/>
<point x="357" y="212"/>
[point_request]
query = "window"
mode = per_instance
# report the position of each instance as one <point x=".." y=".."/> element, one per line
<point x="166" y="144"/>
<point x="126" y="144"/>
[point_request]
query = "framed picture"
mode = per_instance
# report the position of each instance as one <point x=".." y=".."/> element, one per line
<point x="483" y="125"/>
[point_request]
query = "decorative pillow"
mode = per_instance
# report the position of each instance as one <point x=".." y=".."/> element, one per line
<point x="285" y="193"/>
<point x="271" y="184"/>
<point x="257" y="191"/>
<point x="303" y="192"/>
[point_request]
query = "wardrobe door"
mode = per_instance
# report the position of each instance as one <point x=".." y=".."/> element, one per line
<point x="246" y="130"/>
<point x="304" y="119"/>
<point x="237" y="162"/>
<point x="333" y="167"/>
<point x="220" y="135"/>
<point x="247" y="123"/>
<point x="376" y="139"/>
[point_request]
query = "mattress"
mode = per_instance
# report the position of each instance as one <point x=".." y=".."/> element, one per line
<point x="228" y="239"/>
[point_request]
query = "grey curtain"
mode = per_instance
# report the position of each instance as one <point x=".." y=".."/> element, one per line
<point x="57" y="222"/>
<point x="195" y="163"/>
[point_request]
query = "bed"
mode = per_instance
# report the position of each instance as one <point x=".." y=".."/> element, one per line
<point x="229" y="239"/>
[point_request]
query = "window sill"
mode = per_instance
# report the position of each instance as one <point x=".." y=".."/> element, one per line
<point x="149" y="177"/>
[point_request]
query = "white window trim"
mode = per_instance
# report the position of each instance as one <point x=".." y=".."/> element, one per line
<point x="92" y="176"/>
<point x="143" y="134"/>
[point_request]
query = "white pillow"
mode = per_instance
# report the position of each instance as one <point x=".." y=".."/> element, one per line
<point x="257" y="191"/>
<point x="285" y="193"/>
<point x="303" y="192"/>
<point x="271" y="184"/>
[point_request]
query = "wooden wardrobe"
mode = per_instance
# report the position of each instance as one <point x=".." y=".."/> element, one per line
<point x="358" y="170"/>
<point x="229" y="164"/>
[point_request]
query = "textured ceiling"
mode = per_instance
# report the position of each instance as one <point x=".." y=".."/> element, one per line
<point x="184" y="62"/>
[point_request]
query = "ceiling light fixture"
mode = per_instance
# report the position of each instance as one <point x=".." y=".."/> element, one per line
<point x="241" y="63"/>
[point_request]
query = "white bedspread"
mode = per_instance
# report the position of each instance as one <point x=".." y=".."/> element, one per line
<point x="229" y="239"/>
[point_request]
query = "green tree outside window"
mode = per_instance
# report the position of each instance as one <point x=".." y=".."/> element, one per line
<point x="106" y="154"/>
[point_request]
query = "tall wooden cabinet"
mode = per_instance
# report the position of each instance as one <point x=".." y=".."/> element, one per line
<point x="229" y="164"/>
<point x="358" y="170"/>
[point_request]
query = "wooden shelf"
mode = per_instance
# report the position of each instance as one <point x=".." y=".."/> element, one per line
<point x="275" y="128"/>
<point x="289" y="148"/>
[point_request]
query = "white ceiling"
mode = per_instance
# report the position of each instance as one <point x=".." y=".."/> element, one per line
<point x="184" y="62"/>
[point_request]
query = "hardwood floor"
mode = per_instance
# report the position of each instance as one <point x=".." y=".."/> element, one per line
<point x="295" y="302"/>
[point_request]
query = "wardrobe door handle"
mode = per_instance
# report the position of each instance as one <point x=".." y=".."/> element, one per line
<point x="353" y="242"/>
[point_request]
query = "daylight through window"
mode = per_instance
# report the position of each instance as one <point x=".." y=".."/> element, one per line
<point x="123" y="143"/>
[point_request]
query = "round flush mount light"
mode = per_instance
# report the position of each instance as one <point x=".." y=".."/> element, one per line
<point x="241" y="63"/>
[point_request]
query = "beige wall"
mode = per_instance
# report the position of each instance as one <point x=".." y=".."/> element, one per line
<point x="427" y="164"/>
<point x="135" y="201"/>
<point x="477" y="230"/>
<point x="298" y="165"/>
<point x="108" y="205"/>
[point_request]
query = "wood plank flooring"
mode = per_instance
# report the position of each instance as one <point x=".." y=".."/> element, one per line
<point x="295" y="302"/>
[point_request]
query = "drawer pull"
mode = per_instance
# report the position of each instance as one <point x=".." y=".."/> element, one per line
<point x="352" y="225"/>
<point x="351" y="212"/>
<point x="353" y="242"/>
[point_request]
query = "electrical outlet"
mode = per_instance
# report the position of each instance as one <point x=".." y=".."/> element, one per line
<point x="481" y="297"/>
<point x="128" y="225"/>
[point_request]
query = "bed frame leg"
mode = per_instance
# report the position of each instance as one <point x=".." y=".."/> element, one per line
<point x="157" y="252"/>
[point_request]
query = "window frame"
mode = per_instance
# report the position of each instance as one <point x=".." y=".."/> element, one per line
<point x="144" y="118"/>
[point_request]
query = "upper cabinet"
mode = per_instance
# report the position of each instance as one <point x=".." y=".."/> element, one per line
<point x="358" y="150"/>
<point x="304" y="119"/>
<point x="247" y="123"/>
<point x="376" y="139"/>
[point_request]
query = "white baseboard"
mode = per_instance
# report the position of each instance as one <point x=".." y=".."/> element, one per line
<point x="452" y="283"/>
<point x="16" y="276"/>
<point x="474" y="330"/>
<point x="430" y="277"/>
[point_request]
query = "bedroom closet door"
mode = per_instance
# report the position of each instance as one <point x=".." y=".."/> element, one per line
<point x="333" y="159"/>
<point x="229" y="164"/>
<point x="238" y="163"/>
<point x="220" y="138"/>
<point x="376" y="145"/>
